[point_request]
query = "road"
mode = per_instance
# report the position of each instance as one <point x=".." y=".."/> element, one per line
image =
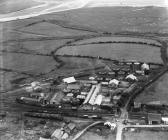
<point x="85" y="129"/>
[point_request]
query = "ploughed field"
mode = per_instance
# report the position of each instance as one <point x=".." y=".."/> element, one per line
<point x="115" y="50"/>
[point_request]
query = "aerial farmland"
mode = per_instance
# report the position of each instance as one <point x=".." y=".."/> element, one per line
<point x="114" y="54"/>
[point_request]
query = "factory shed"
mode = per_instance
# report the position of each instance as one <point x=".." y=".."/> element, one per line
<point x="69" y="80"/>
<point x="154" y="118"/>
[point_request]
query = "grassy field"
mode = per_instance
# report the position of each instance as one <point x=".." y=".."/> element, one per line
<point x="34" y="64"/>
<point x="8" y="77"/>
<point x="145" y="135"/>
<point x="116" y="19"/>
<point x="74" y="65"/>
<point x="43" y="46"/>
<point x="156" y="92"/>
<point x="115" y="51"/>
<point x="17" y="35"/>
<point x="49" y="29"/>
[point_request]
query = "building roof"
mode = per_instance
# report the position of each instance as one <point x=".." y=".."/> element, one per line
<point x="57" y="133"/>
<point x="91" y="78"/>
<point x="69" y="80"/>
<point x="114" y="81"/>
<point x="71" y="126"/>
<point x="73" y="86"/>
<point x="43" y="138"/>
<point x="98" y="100"/>
<point x="154" y="117"/>
<point x="131" y="76"/>
<point x="116" y="97"/>
<point x="165" y="119"/>
<point x="145" y="66"/>
<point x="35" y="83"/>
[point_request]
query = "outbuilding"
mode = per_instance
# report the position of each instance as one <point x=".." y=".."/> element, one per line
<point x="131" y="77"/>
<point x="69" y="80"/>
<point x="145" y="68"/>
<point x="154" y="118"/>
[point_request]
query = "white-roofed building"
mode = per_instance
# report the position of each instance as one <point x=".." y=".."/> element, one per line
<point x="69" y="80"/>
<point x="35" y="83"/>
<point x="131" y="77"/>
<point x="37" y="88"/>
<point x="94" y="95"/>
<point x="58" y="133"/>
<point x="91" y="78"/>
<point x="65" y="136"/>
<point x="165" y="120"/>
<point x="111" y="125"/>
<point x="98" y="100"/>
<point x="29" y="89"/>
<point x="145" y="66"/>
<point x="114" y="81"/>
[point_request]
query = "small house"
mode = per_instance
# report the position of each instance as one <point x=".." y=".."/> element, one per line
<point x="154" y="118"/>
